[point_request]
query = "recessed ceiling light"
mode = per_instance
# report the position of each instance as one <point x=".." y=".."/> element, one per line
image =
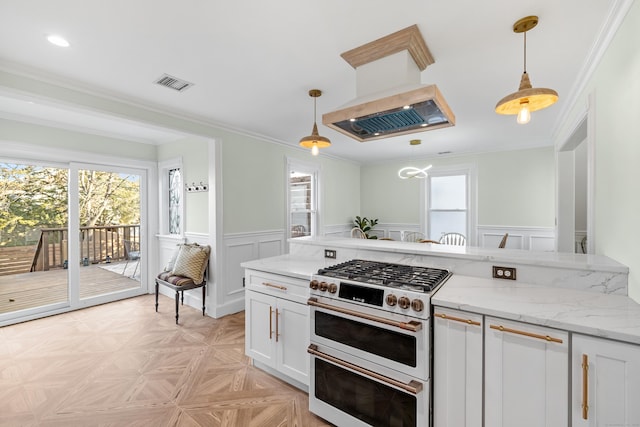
<point x="58" y="40"/>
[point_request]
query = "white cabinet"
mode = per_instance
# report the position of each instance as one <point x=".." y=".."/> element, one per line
<point x="277" y="324"/>
<point x="526" y="375"/>
<point x="457" y="368"/>
<point x="606" y="376"/>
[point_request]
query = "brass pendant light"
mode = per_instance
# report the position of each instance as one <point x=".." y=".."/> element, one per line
<point x="527" y="98"/>
<point x="315" y="141"/>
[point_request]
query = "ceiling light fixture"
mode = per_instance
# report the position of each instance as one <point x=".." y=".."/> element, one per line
<point x="315" y="141"/>
<point x="413" y="172"/>
<point x="527" y="98"/>
<point x="58" y="40"/>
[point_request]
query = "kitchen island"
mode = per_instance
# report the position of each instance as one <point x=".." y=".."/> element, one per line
<point x="565" y="325"/>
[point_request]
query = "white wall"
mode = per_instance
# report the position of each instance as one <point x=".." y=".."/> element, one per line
<point x="615" y="90"/>
<point x="195" y="168"/>
<point x="254" y="176"/>
<point x="515" y="188"/>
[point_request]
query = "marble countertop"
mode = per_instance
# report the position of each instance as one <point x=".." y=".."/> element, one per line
<point x="609" y="316"/>
<point x="289" y="265"/>
<point x="586" y="262"/>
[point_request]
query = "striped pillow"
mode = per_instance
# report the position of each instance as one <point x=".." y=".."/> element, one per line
<point x="192" y="262"/>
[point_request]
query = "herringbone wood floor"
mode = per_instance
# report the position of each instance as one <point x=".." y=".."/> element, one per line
<point x="123" y="364"/>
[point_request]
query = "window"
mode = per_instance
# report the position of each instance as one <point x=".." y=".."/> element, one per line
<point x="301" y="199"/>
<point x="175" y="201"/>
<point x="171" y="196"/>
<point x="450" y="203"/>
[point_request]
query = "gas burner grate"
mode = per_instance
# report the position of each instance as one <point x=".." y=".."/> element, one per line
<point x="409" y="277"/>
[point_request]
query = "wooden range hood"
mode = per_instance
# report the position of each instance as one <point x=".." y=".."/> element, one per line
<point x="390" y="100"/>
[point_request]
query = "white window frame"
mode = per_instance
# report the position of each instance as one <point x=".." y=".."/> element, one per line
<point x="163" y="174"/>
<point x="314" y="170"/>
<point x="472" y="205"/>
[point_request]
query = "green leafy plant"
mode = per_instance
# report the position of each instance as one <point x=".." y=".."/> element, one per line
<point x="365" y="225"/>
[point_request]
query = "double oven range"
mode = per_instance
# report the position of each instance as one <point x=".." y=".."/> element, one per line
<point x="370" y="343"/>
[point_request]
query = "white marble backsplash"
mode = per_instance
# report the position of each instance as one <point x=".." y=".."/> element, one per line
<point x="572" y="271"/>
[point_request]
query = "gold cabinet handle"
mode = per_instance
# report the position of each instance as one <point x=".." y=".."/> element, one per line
<point x="270" y="322"/>
<point x="271" y="285"/>
<point x="585" y="387"/>
<point x="413" y="326"/>
<point x="457" y="319"/>
<point x="277" y="329"/>
<point x="412" y="386"/>
<point x="527" y="334"/>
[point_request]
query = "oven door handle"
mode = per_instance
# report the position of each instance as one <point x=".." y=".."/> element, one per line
<point x="413" y="386"/>
<point x="412" y="325"/>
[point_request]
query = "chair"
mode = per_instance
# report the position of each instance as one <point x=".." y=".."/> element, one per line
<point x="131" y="253"/>
<point x="503" y="242"/>
<point x="356" y="233"/>
<point x="189" y="271"/>
<point x="412" y="236"/>
<point x="455" y="239"/>
<point x="298" y="230"/>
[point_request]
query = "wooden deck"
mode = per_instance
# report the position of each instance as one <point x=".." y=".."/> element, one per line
<point x="29" y="290"/>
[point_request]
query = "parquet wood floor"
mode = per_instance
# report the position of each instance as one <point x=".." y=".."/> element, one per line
<point x="123" y="364"/>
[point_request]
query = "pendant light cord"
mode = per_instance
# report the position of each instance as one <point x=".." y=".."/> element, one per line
<point x="525" y="51"/>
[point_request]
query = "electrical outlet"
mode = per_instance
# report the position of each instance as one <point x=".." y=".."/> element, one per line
<point x="504" y="273"/>
<point x="330" y="253"/>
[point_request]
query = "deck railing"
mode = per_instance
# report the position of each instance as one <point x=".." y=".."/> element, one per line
<point x="97" y="244"/>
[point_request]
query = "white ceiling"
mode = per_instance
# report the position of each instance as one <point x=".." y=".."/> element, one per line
<point x="254" y="61"/>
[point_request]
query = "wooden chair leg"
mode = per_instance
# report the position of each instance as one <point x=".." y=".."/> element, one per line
<point x="177" y="305"/>
<point x="182" y="297"/>
<point x="203" y="294"/>
<point x="157" y="297"/>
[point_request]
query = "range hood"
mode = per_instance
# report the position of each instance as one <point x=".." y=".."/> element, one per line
<point x="390" y="99"/>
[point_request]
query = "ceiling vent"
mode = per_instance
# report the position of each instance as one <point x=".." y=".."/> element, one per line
<point x="173" y="83"/>
<point x="391" y="101"/>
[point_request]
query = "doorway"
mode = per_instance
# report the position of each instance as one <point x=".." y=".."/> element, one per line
<point x="574" y="172"/>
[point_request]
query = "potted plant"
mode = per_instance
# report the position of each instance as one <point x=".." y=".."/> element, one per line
<point x="365" y="225"/>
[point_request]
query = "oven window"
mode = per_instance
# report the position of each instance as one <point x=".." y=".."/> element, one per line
<point x="382" y="342"/>
<point x="370" y="401"/>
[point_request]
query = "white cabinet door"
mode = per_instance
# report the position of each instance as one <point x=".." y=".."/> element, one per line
<point x="457" y="368"/>
<point x="277" y="334"/>
<point x="609" y="382"/>
<point x="260" y="343"/>
<point x="526" y="375"/>
<point x="292" y="335"/>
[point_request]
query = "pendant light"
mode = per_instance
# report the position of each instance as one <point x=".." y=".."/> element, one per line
<point x="315" y="141"/>
<point x="527" y="98"/>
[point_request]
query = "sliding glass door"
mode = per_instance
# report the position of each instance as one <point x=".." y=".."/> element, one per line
<point x="109" y="223"/>
<point x="71" y="236"/>
<point x="33" y="238"/>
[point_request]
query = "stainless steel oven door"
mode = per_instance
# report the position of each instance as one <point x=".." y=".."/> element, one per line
<point x="396" y="341"/>
<point x="346" y="392"/>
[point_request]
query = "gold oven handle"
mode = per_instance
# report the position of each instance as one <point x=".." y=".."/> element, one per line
<point x="413" y="386"/>
<point x="527" y="334"/>
<point x="412" y="325"/>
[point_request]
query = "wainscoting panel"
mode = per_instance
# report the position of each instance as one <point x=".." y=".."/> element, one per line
<point x="528" y="238"/>
<point x="241" y="247"/>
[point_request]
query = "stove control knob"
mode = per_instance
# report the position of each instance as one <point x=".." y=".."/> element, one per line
<point x="392" y="300"/>
<point x="314" y="284"/>
<point x="404" y="302"/>
<point x="417" y="305"/>
<point x="333" y="288"/>
<point x="324" y="286"/>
